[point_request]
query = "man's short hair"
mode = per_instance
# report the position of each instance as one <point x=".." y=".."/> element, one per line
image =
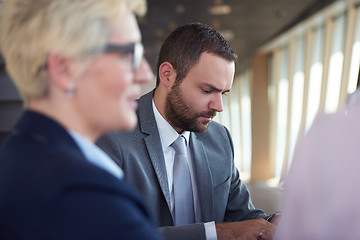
<point x="184" y="46"/>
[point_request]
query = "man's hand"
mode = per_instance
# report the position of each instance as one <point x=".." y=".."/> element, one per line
<point x="250" y="230"/>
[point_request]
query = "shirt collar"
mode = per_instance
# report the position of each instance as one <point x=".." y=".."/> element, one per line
<point x="96" y="156"/>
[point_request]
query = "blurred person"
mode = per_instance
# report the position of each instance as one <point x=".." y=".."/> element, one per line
<point x="78" y="66"/>
<point x="321" y="197"/>
<point x="196" y="68"/>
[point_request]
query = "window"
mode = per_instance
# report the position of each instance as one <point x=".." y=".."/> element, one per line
<point x="315" y="79"/>
<point x="245" y="121"/>
<point x="297" y="94"/>
<point x="311" y="68"/>
<point x="335" y="67"/>
<point x="281" y="121"/>
<point x="355" y="56"/>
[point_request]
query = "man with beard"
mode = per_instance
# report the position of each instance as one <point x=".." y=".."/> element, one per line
<point x="195" y="68"/>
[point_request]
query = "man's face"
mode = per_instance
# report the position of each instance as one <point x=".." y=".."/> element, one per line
<point x="108" y="88"/>
<point x="193" y="103"/>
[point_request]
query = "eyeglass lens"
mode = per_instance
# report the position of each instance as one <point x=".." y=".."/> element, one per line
<point x="136" y="50"/>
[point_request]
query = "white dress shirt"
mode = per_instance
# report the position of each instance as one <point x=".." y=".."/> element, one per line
<point x="167" y="136"/>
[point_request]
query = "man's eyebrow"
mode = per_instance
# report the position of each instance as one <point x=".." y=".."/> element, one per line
<point x="212" y="87"/>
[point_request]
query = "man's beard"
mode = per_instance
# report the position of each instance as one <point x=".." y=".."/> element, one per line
<point x="180" y="115"/>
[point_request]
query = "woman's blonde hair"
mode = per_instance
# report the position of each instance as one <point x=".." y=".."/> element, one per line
<point x="31" y="29"/>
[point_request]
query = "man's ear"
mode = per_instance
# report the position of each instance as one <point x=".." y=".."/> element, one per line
<point x="167" y="74"/>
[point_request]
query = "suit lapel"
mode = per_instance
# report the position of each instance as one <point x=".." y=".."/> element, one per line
<point x="158" y="162"/>
<point x="203" y="178"/>
<point x="152" y="141"/>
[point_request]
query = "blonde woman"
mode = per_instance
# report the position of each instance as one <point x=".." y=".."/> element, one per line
<point x="78" y="66"/>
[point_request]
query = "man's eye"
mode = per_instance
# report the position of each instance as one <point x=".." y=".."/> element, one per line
<point x="224" y="93"/>
<point x="206" y="91"/>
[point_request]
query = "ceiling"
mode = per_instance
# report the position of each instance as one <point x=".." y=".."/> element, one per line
<point x="246" y="24"/>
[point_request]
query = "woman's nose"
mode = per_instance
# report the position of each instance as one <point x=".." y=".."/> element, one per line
<point x="144" y="73"/>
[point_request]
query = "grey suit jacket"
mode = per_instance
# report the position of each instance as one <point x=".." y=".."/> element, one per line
<point x="223" y="197"/>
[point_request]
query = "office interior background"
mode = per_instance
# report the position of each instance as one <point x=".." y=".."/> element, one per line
<point x="297" y="59"/>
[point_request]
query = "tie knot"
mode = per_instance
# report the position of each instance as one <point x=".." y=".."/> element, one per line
<point x="180" y="145"/>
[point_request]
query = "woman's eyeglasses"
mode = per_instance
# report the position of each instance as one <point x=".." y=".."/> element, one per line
<point x="135" y="49"/>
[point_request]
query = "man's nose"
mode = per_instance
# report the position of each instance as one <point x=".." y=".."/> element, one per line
<point x="216" y="103"/>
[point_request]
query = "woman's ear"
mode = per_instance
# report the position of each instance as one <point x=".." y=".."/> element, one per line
<point x="59" y="71"/>
<point x="167" y="74"/>
<point x="64" y="72"/>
